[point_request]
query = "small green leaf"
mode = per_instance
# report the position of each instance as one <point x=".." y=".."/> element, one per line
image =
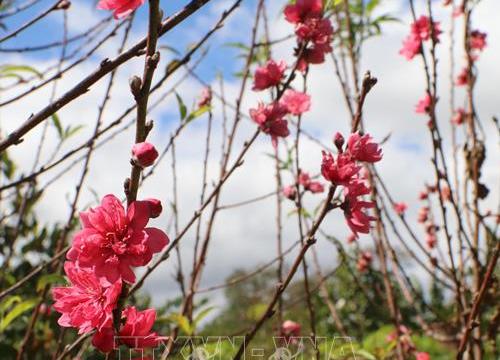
<point x="172" y="66"/>
<point x="365" y="354"/>
<point x="8" y="302"/>
<point x="182" y="107"/>
<point x="237" y="45"/>
<point x="14" y="69"/>
<point x="18" y="310"/>
<point x="70" y="131"/>
<point x="202" y="314"/>
<point x="57" y="124"/>
<point x="49" y="279"/>
<point x="182" y="322"/>
<point x="197" y="113"/>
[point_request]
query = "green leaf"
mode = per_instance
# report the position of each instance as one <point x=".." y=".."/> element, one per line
<point x="8" y="302"/>
<point x="172" y="66"/>
<point x="14" y="69"/>
<point x="197" y="113"/>
<point x="365" y="354"/>
<point x="57" y="124"/>
<point x="202" y="314"/>
<point x="237" y="45"/>
<point x="372" y="4"/>
<point x="18" y="310"/>
<point x="182" y="107"/>
<point x="169" y="48"/>
<point x="70" y="131"/>
<point x="9" y="167"/>
<point x="49" y="279"/>
<point x="182" y="322"/>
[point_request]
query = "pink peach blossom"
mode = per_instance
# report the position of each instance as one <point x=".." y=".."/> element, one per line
<point x="422" y="356"/>
<point x="135" y="332"/>
<point x="296" y="102"/>
<point x="364" y="261"/>
<point x="363" y="148"/>
<point x="318" y="31"/>
<point x="85" y="304"/>
<point x="477" y="40"/>
<point x="422" y="28"/>
<point x="302" y="10"/>
<point x="351" y="238"/>
<point x="459" y="117"/>
<point x="356" y="217"/>
<point x="290" y="328"/>
<point x="411" y="46"/>
<point x="155" y="207"/>
<point x="430" y="240"/>
<point x="290" y="192"/>
<point x="339" y="171"/>
<point x="424" y="105"/>
<point x="112" y="241"/>
<point x="462" y="77"/>
<point x="120" y="8"/>
<point x="270" y="119"/>
<point x="205" y="97"/>
<point x="400" y="207"/>
<point x="268" y="75"/>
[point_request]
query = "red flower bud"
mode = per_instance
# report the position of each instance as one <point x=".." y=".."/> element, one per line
<point x="155" y="207"/>
<point x="144" y="154"/>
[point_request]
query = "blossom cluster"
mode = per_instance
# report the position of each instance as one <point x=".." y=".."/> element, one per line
<point x="308" y="184"/>
<point x="424" y="216"/>
<point x="101" y="261"/>
<point x="314" y="34"/>
<point x="422" y="29"/>
<point x="344" y="170"/>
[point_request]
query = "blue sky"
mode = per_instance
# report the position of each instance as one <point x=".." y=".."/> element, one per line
<point x="220" y="58"/>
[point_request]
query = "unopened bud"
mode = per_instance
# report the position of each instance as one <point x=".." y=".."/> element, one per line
<point x="135" y="83"/>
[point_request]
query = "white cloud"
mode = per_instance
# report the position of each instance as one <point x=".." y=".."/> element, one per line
<point x="245" y="237"/>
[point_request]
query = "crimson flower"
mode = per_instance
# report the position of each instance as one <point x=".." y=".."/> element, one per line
<point x="424" y="105"/>
<point x="411" y="46"/>
<point x="363" y="148"/>
<point x="356" y="217"/>
<point x="459" y="117"/>
<point x="400" y="207"/>
<point x="270" y="119"/>
<point x="422" y="28"/>
<point x="477" y="40"/>
<point x="290" y="192"/>
<point x="296" y="102"/>
<point x="340" y="171"/>
<point x="290" y="328"/>
<point x="310" y="185"/>
<point x="205" y="97"/>
<point x="364" y="261"/>
<point x="422" y="356"/>
<point x="135" y="333"/>
<point x="86" y="304"/>
<point x="112" y="241"/>
<point x="302" y="10"/>
<point x="462" y="77"/>
<point x="268" y="75"/>
<point x="319" y="31"/>
<point x="120" y="8"/>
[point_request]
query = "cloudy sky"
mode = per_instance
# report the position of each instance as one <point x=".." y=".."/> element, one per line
<point x="243" y="237"/>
